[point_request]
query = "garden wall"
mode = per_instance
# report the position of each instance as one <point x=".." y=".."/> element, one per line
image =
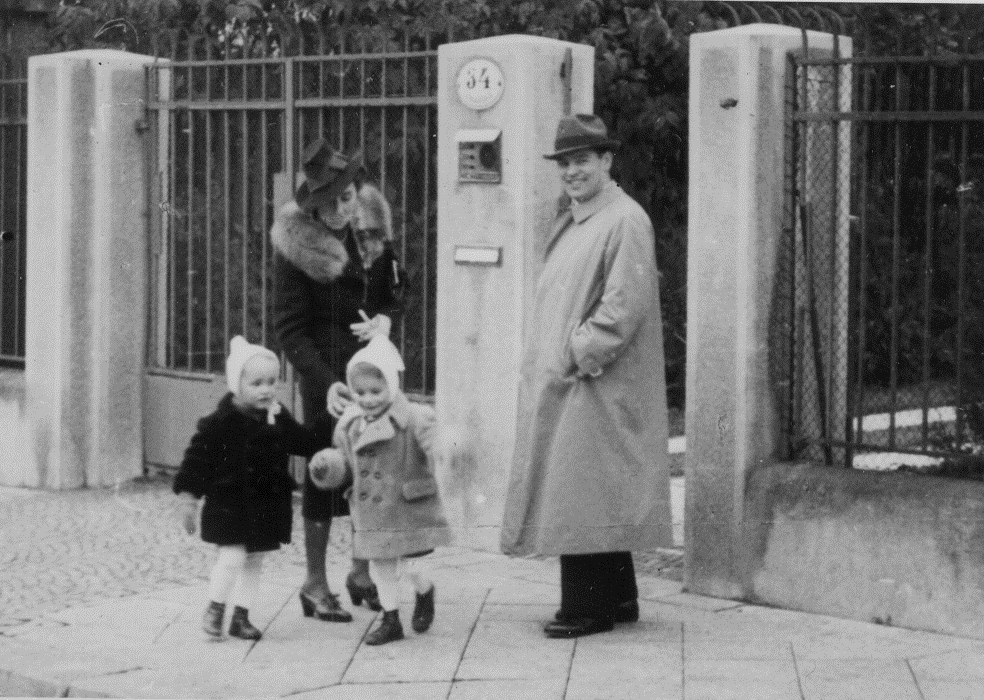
<point x="892" y="548"/>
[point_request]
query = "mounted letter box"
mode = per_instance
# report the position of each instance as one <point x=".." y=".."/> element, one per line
<point x="479" y="155"/>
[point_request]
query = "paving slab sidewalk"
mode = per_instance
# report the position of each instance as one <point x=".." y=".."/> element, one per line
<point x="486" y="642"/>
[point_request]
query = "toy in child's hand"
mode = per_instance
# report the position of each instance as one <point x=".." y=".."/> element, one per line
<point x="272" y="411"/>
<point x="327" y="468"/>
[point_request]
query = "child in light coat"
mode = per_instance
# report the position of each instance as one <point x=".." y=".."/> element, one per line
<point x="238" y="461"/>
<point x="385" y="444"/>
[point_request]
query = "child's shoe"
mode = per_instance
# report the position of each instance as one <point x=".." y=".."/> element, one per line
<point x="389" y="630"/>
<point x="241" y="627"/>
<point x="212" y="620"/>
<point x="423" y="611"/>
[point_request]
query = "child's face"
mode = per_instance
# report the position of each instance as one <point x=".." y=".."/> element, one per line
<point x="372" y="395"/>
<point x="258" y="382"/>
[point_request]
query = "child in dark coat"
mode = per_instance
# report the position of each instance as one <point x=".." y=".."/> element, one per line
<point x="238" y="461"/>
<point x="385" y="444"/>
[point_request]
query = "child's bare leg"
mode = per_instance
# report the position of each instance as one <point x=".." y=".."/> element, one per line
<point x="228" y="565"/>
<point x="385" y="574"/>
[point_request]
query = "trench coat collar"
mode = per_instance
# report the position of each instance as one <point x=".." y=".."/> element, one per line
<point x="579" y="213"/>
<point x="384" y="427"/>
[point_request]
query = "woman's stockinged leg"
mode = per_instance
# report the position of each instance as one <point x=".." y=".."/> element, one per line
<point x="316" y="536"/>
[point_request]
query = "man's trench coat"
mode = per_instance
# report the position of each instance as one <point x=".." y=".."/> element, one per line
<point x="590" y="470"/>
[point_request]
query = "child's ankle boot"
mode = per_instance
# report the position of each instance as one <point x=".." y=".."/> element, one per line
<point x="241" y="627"/>
<point x="423" y="611"/>
<point x="389" y="629"/>
<point x="212" y="620"/>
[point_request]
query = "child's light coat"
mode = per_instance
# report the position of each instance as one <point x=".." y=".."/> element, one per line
<point x="394" y="500"/>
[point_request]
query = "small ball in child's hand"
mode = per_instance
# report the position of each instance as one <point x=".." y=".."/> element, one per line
<point x="327" y="468"/>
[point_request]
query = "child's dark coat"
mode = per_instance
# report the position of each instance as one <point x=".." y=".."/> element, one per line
<point x="240" y="465"/>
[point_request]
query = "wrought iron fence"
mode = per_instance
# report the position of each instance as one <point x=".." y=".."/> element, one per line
<point x="226" y="124"/>
<point x="13" y="205"/>
<point x="883" y="270"/>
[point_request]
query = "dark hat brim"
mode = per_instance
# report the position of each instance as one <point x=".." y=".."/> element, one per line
<point x="608" y="144"/>
<point x="309" y="200"/>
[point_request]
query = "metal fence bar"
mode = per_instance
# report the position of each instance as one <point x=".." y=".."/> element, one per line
<point x="859" y="384"/>
<point x="962" y="190"/>
<point x="896" y="259"/>
<point x="928" y="265"/>
<point x="13" y="244"/>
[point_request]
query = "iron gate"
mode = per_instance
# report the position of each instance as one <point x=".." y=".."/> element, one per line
<point x="13" y="206"/>
<point x="883" y="268"/>
<point x="224" y="131"/>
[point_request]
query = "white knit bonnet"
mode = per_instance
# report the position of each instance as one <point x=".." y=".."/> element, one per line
<point x="242" y="351"/>
<point x="380" y="353"/>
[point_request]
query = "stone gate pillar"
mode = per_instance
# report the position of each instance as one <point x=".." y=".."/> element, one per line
<point x="499" y="101"/>
<point x="738" y="86"/>
<point x="86" y="269"/>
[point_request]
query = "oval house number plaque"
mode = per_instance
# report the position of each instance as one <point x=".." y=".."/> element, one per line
<point x="480" y="83"/>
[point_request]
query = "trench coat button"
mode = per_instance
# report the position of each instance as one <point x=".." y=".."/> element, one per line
<point x="363" y="472"/>
<point x="363" y="495"/>
<point x="378" y="475"/>
<point x="377" y="498"/>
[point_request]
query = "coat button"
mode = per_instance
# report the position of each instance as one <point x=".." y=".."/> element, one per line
<point x="363" y="472"/>
<point x="377" y="498"/>
<point x="378" y="475"/>
<point x="363" y="495"/>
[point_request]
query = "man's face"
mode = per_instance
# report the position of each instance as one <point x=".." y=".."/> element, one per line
<point x="584" y="173"/>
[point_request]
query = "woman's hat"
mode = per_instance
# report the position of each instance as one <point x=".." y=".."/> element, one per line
<point x="327" y="173"/>
<point x="576" y="132"/>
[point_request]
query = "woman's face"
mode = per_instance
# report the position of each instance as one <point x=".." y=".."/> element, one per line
<point x="347" y="203"/>
<point x="343" y="211"/>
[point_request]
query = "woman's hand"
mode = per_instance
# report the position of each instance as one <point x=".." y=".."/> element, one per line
<point x="369" y="328"/>
<point x="339" y="398"/>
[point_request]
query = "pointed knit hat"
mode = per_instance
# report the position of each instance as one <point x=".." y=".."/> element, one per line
<point x="381" y="353"/>
<point x="242" y="351"/>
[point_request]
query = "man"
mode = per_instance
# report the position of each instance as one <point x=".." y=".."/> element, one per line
<point x="590" y="479"/>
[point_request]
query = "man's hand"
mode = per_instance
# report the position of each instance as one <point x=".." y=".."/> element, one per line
<point x="339" y="398"/>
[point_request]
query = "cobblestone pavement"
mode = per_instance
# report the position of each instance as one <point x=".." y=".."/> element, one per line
<point x="61" y="549"/>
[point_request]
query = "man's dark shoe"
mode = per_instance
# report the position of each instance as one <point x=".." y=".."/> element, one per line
<point x="578" y="627"/>
<point x="625" y="612"/>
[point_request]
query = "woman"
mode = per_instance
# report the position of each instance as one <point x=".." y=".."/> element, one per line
<point x="335" y="289"/>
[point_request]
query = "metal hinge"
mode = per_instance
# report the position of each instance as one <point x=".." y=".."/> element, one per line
<point x="141" y="125"/>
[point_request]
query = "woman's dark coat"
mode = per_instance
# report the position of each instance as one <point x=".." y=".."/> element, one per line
<point x="315" y="307"/>
<point x="239" y="464"/>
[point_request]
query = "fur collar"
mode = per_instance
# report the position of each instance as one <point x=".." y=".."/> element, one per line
<point x="308" y="244"/>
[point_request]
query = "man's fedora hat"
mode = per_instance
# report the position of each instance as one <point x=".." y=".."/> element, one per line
<point x="327" y="173"/>
<point x="576" y="132"/>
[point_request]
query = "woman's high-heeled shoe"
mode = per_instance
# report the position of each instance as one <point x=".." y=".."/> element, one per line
<point x="327" y="610"/>
<point x="359" y="593"/>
